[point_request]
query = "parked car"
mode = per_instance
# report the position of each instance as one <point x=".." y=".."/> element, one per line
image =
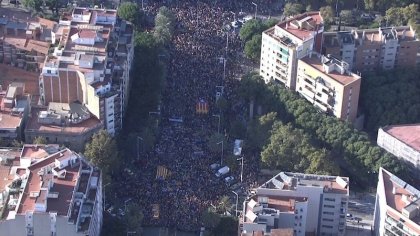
<point x="229" y="180"/>
<point x="215" y="166"/>
<point x="222" y="171"/>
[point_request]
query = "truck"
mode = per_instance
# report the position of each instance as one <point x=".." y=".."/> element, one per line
<point x="222" y="171"/>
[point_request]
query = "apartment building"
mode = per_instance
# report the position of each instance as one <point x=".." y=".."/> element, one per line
<point x="71" y="125"/>
<point x="14" y="109"/>
<point x="328" y="84"/>
<point x="372" y="49"/>
<point x="307" y="204"/>
<point x="46" y="190"/>
<point x="90" y="64"/>
<point x="397" y="207"/>
<point x="285" y="43"/>
<point x="403" y="141"/>
<point x="24" y="40"/>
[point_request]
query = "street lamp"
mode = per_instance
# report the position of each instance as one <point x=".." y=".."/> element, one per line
<point x="236" y="205"/>
<point x="221" y="159"/>
<point x="218" y="125"/>
<point x="138" y="153"/>
<point x="242" y="166"/>
<point x="256" y="7"/>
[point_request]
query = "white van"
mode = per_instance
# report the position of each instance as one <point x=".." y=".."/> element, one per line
<point x="222" y="171"/>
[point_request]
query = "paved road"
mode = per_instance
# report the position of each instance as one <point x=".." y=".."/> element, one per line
<point x="361" y="206"/>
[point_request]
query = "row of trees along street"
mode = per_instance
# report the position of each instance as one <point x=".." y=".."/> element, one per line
<point x="147" y="80"/>
<point x="293" y="135"/>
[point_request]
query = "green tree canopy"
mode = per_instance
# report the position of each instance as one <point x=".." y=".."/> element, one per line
<point x="34" y="5"/>
<point x="252" y="48"/>
<point x="347" y="17"/>
<point x="210" y="218"/>
<point x="134" y="218"/>
<point x="40" y="140"/>
<point x="291" y="9"/>
<point x="251" y="28"/>
<point x="129" y="11"/>
<point x="102" y="152"/>
<point x="327" y="14"/>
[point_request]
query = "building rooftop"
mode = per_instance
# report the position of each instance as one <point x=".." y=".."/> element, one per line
<point x="71" y="128"/>
<point x="291" y="181"/>
<point x="402" y="200"/>
<point x="334" y="68"/>
<point x="45" y="178"/>
<point x="302" y="26"/>
<point x="13" y="103"/>
<point x="408" y="134"/>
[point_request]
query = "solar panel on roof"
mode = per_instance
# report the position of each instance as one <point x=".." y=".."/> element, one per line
<point x="398" y="181"/>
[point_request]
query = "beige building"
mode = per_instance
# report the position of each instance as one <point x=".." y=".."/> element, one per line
<point x="403" y="141"/>
<point x="372" y="49"/>
<point x="285" y="43"/>
<point x="397" y="207"/>
<point x="24" y="40"/>
<point x="71" y="125"/>
<point x="14" y="110"/>
<point x="90" y="64"/>
<point x="50" y="191"/>
<point x="306" y="204"/>
<point x="329" y="85"/>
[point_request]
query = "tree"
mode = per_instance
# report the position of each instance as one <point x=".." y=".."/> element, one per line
<point x="34" y="5"/>
<point x="224" y="205"/>
<point x="259" y="131"/>
<point x="210" y="218"/>
<point x="251" y="28"/>
<point x="164" y="25"/>
<point x="134" y="217"/>
<point x="394" y="16"/>
<point x="327" y="14"/>
<point x="291" y="9"/>
<point x="102" y="152"/>
<point x="129" y="11"/>
<point x="370" y="4"/>
<point x="347" y="17"/>
<point x="40" y="140"/>
<point x="252" y="48"/>
<point x="228" y="226"/>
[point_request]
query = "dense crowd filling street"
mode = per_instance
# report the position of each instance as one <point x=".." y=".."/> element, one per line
<point x="196" y="69"/>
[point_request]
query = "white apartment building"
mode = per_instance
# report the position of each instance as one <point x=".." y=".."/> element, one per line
<point x="285" y="43"/>
<point x="46" y="190"/>
<point x="307" y="204"/>
<point x="90" y="64"/>
<point x="397" y="207"/>
<point x="403" y="141"/>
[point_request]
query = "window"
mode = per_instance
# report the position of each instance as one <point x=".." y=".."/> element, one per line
<point x="326" y="219"/>
<point x="328" y="206"/>
<point x="327" y="226"/>
<point x="329" y="199"/>
<point x="110" y="121"/>
<point x="328" y="213"/>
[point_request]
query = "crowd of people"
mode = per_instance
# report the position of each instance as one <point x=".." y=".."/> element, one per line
<point x="201" y="46"/>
